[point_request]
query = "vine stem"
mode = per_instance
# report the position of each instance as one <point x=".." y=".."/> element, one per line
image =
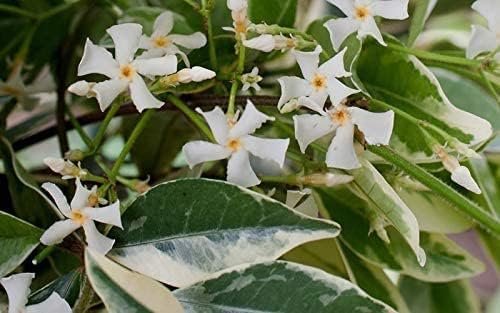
<point x="206" y="12"/>
<point x="489" y="85"/>
<point x="434" y="56"/>
<point x="96" y="143"/>
<point x="193" y="116"/>
<point x="462" y="203"/>
<point x="235" y="86"/>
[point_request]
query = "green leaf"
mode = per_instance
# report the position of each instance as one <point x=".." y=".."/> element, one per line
<point x="406" y="83"/>
<point x="146" y="16"/>
<point x="277" y="287"/>
<point x="183" y="231"/>
<point x="446" y="261"/>
<point x="67" y="286"/>
<point x="379" y="195"/>
<point x="423" y="9"/>
<point x="281" y="12"/>
<point x="124" y="291"/>
<point x="452" y="297"/>
<point x="17" y="239"/>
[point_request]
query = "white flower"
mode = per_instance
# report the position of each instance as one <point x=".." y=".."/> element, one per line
<point x="251" y="80"/>
<point x="28" y="96"/>
<point x="240" y="18"/>
<point x="295" y="200"/>
<point x="268" y="43"/>
<point x="459" y="174"/>
<point x="195" y="74"/>
<point x="17" y="287"/>
<point x="67" y="169"/>
<point x="163" y="43"/>
<point x="82" y="212"/>
<point x="360" y="18"/>
<point x="376" y="127"/>
<point x="485" y="39"/>
<point x="123" y="71"/>
<point x="319" y="81"/>
<point x="233" y="141"/>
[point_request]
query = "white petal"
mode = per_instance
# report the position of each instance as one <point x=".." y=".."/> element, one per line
<point x="126" y="38"/>
<point x="17" y="287"/>
<point x="81" y="198"/>
<point x="146" y="43"/>
<point x="267" y="148"/>
<point x="338" y="91"/>
<point x="369" y="28"/>
<point x="292" y="87"/>
<point x="58" y="231"/>
<point x="53" y="304"/>
<point x="193" y="41"/>
<point x="107" y="214"/>
<point x="251" y="120"/>
<point x="313" y="105"/>
<point x="335" y="66"/>
<point x="308" y="61"/>
<point x="97" y="60"/>
<point x="156" y="66"/>
<point x="341" y="153"/>
<point x="59" y="198"/>
<point x="141" y="96"/>
<point x="311" y="127"/>
<point x="393" y="9"/>
<point x="376" y="127"/>
<point x="482" y="40"/>
<point x="340" y="29"/>
<point x="80" y="88"/>
<point x="151" y="53"/>
<point x="490" y="10"/>
<point x="217" y="121"/>
<point x="346" y="6"/>
<point x="56" y="165"/>
<point x="319" y="98"/>
<point x="263" y="43"/>
<point x="163" y="24"/>
<point x="239" y="170"/>
<point x="96" y="241"/>
<point x="197" y="152"/>
<point x="237" y="5"/>
<point x="107" y="91"/>
<point x="461" y="175"/>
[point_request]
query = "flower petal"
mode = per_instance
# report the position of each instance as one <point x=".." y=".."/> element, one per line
<point x="126" y="38"/>
<point x="251" y="120"/>
<point x="346" y="6"/>
<point x="151" y="53"/>
<point x="107" y="214"/>
<point x="96" y="241"/>
<point x="319" y="98"/>
<point x="376" y="127"/>
<point x="237" y="5"/>
<point x="338" y="91"/>
<point x="59" y="198"/>
<point x="308" y="61"/>
<point x="81" y="198"/>
<point x="489" y="9"/>
<point x="267" y="148"/>
<point x="311" y="127"/>
<point x="482" y="40"/>
<point x="197" y="152"/>
<point x="217" y="121"/>
<point x="141" y="96"/>
<point x="58" y="231"/>
<point x="369" y="28"/>
<point x="461" y="175"/>
<point x="341" y="153"/>
<point x="107" y="91"/>
<point x="193" y="41"/>
<point x="80" y="88"/>
<point x="97" y="60"/>
<point x="393" y="9"/>
<point x="292" y="87"/>
<point x="335" y="66"/>
<point x="340" y="29"/>
<point x="17" y="287"/>
<point x="239" y="170"/>
<point x="163" y="24"/>
<point x="309" y="103"/>
<point x="156" y="66"/>
<point x="54" y="304"/>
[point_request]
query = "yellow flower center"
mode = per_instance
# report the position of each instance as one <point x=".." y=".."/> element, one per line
<point x="340" y="116"/>
<point x="362" y="12"/>
<point x="161" y="41"/>
<point x="127" y="71"/>
<point x="319" y="82"/>
<point x="234" y="144"/>
<point x="78" y="217"/>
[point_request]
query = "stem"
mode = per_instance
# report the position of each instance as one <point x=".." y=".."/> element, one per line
<point x="130" y="143"/>
<point x="434" y="56"/>
<point x="57" y="9"/>
<point x="15" y="10"/>
<point x="193" y="3"/>
<point x="43" y="254"/>
<point x="462" y="203"/>
<point x="289" y="180"/>
<point x="104" y="126"/>
<point x="85" y="297"/>
<point x="239" y="70"/>
<point x="193" y="116"/>
<point x="79" y="129"/>
<point x="489" y="85"/>
<point x="206" y="12"/>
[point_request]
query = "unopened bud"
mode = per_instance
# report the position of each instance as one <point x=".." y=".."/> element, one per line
<point x="74" y="155"/>
<point x="459" y="174"/>
<point x="82" y="88"/>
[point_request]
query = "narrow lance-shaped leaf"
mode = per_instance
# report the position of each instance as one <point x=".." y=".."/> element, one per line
<point x="184" y="231"/>
<point x="277" y="287"/>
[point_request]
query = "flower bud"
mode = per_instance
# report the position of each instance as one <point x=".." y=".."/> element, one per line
<point x="67" y="169"/>
<point x="195" y="74"/>
<point x="82" y="88"/>
<point x="459" y="174"/>
<point x="326" y="179"/>
<point x="263" y="43"/>
<point x="74" y="155"/>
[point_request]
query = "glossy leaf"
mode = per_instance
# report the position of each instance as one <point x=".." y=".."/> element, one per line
<point x="67" y="286"/>
<point x="423" y="9"/>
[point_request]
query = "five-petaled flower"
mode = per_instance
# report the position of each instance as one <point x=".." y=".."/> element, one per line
<point x="162" y="42"/>
<point x="251" y="80"/>
<point x="234" y="141"/>
<point x="124" y="71"/>
<point x="319" y="81"/>
<point x="360" y="18"/>
<point x="82" y="212"/>
<point x="17" y="287"/>
<point x="485" y="39"/>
